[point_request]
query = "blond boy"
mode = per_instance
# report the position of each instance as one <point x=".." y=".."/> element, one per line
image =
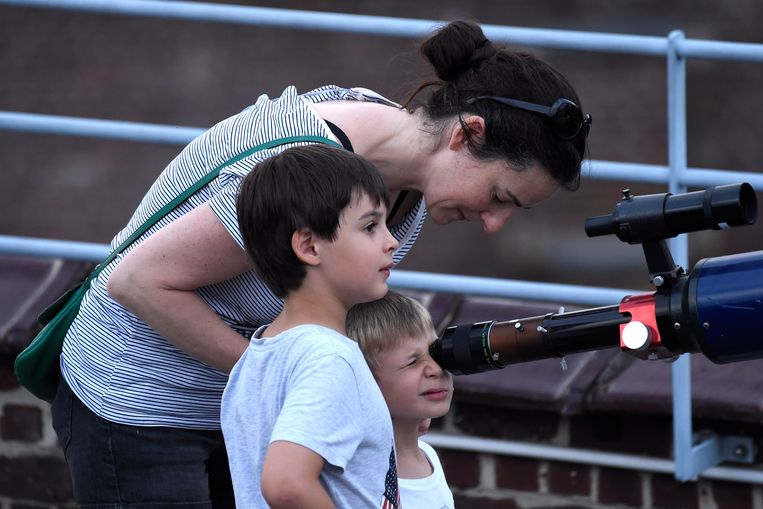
<point x="395" y="334"/>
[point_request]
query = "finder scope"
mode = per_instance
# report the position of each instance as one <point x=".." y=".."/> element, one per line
<point x="638" y="219"/>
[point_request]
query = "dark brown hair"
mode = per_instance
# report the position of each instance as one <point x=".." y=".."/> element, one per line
<point x="468" y="65"/>
<point x="307" y="186"/>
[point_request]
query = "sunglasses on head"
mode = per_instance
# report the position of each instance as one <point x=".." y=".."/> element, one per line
<point x="566" y="118"/>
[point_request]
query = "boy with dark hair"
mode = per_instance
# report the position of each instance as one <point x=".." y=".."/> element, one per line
<point x="395" y="334"/>
<point x="305" y="424"/>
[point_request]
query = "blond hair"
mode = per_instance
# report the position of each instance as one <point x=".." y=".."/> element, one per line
<point x="387" y="323"/>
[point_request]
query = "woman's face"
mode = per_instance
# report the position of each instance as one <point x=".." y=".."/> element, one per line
<point x="467" y="189"/>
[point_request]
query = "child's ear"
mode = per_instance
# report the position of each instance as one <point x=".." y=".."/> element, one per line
<point x="303" y="245"/>
<point x="476" y="131"/>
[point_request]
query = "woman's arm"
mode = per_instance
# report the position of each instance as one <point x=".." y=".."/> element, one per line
<point x="157" y="281"/>
<point x="290" y="478"/>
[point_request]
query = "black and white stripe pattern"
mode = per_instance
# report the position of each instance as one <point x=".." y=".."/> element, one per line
<point x="118" y="366"/>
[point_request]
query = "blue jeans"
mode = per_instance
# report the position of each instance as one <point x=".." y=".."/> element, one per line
<point x="117" y="466"/>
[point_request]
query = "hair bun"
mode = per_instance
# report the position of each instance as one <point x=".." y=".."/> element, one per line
<point x="455" y="48"/>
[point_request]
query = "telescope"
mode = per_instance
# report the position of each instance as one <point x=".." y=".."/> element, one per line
<point x="716" y="309"/>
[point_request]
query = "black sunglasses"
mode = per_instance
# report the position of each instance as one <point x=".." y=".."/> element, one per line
<point x="566" y="118"/>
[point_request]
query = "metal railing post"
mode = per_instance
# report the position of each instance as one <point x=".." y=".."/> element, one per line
<point x="691" y="458"/>
<point x="681" y="374"/>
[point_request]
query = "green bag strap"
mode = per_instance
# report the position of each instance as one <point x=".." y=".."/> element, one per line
<point x="151" y="221"/>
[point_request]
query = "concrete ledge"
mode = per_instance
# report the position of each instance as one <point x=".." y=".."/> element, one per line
<point x="29" y="286"/>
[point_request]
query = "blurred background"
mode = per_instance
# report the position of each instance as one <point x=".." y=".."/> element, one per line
<point x="195" y="74"/>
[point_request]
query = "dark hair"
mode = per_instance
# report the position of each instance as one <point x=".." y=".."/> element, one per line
<point x="468" y="65"/>
<point x="302" y="187"/>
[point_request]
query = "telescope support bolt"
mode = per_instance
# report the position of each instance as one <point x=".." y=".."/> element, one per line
<point x="714" y="449"/>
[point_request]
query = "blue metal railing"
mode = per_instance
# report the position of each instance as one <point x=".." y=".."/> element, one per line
<point x="402" y="27"/>
<point x="181" y="135"/>
<point x="691" y="459"/>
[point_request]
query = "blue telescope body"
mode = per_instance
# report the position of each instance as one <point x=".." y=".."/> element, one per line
<point x="725" y="301"/>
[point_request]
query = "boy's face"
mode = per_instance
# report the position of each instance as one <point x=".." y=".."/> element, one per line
<point x="357" y="264"/>
<point x="413" y="384"/>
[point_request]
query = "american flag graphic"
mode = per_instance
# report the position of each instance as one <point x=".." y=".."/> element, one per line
<point x="391" y="498"/>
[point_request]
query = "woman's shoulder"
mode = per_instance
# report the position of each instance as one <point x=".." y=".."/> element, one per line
<point x="336" y="93"/>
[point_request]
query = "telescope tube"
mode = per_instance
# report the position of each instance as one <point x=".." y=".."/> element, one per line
<point x="484" y="346"/>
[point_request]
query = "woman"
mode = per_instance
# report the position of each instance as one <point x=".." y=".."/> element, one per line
<point x="145" y="363"/>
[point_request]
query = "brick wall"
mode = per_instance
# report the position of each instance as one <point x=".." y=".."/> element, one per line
<point x="488" y="481"/>
<point x="33" y="473"/>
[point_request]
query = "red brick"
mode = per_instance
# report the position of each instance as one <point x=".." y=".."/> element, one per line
<point x="27" y="505"/>
<point x="463" y="501"/>
<point x="23" y="423"/>
<point x="516" y="473"/>
<point x="668" y="493"/>
<point x="8" y="379"/>
<point x="569" y="479"/>
<point x="503" y="423"/>
<point x="732" y="495"/>
<point x="462" y="469"/>
<point x="623" y="433"/>
<point x="617" y="486"/>
<point x="41" y="479"/>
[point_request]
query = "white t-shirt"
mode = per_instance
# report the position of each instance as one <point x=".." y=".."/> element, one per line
<point x="431" y="492"/>
<point x="310" y="386"/>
